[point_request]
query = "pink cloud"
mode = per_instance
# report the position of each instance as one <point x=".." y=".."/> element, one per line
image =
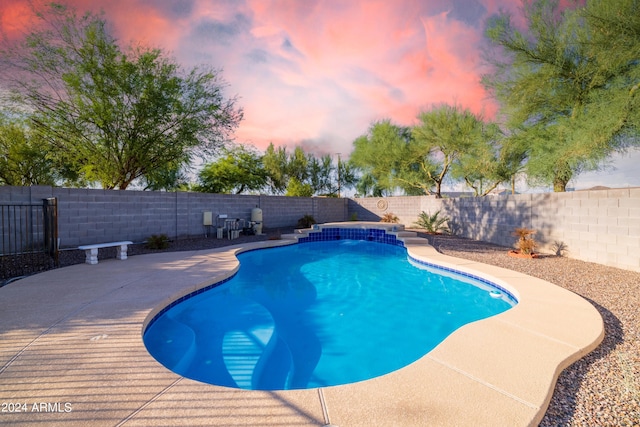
<point x="328" y="68"/>
<point x="315" y="72"/>
<point x="14" y="18"/>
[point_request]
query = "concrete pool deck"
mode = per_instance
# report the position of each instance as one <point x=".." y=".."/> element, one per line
<point x="71" y="353"/>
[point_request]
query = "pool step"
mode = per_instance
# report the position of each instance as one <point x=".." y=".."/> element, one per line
<point x="411" y="238"/>
<point x="402" y="234"/>
<point x="241" y="351"/>
<point x="414" y="240"/>
<point x="291" y="236"/>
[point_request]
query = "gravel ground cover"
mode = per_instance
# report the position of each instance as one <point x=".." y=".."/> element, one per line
<point x="601" y="389"/>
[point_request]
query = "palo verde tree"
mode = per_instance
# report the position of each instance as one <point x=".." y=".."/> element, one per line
<point x="492" y="159"/>
<point x="382" y="157"/>
<point x="367" y="186"/>
<point x="568" y="83"/>
<point x="116" y="113"/>
<point x="447" y="143"/>
<point x="450" y="137"/>
<point x="614" y="42"/>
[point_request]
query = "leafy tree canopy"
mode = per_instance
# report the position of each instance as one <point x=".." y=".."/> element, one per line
<point x="322" y="176"/>
<point x="380" y="155"/>
<point x="116" y="114"/>
<point x="447" y="143"/>
<point x="449" y="138"/>
<point x="238" y="171"/>
<point x="568" y="83"/>
<point x="24" y="158"/>
<point x="275" y="163"/>
<point x="295" y="188"/>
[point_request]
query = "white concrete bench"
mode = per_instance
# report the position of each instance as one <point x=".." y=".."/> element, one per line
<point x="91" y="251"/>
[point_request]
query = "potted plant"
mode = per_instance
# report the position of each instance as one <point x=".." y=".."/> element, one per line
<point x="525" y="245"/>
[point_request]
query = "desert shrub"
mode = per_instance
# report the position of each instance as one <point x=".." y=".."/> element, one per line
<point x="389" y="217"/>
<point x="306" y="221"/>
<point x="157" y="241"/>
<point x="525" y="243"/>
<point x="433" y="223"/>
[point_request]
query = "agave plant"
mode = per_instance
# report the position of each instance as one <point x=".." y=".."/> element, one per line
<point x="433" y="223"/>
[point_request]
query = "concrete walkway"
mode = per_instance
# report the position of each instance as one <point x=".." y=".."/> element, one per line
<point x="71" y="353"/>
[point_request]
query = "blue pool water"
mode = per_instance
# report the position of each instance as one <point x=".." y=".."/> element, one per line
<point x="317" y="314"/>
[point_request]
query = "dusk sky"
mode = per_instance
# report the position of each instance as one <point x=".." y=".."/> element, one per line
<point x="318" y="73"/>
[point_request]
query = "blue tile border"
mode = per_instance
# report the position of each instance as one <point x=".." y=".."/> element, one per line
<point x="184" y="298"/>
<point x="508" y="293"/>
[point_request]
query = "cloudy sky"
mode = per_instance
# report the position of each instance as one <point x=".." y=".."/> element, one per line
<point x="317" y="73"/>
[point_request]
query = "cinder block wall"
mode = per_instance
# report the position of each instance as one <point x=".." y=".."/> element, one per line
<point x="282" y="211"/>
<point x="90" y="216"/>
<point x="600" y="226"/>
<point x="328" y="209"/>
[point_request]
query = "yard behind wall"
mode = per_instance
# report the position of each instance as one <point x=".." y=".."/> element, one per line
<point x="598" y="226"/>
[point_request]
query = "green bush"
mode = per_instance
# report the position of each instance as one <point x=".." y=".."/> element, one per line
<point x="306" y="221"/>
<point x="157" y="241"/>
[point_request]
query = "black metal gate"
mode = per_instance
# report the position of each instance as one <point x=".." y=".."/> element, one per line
<point x="29" y="240"/>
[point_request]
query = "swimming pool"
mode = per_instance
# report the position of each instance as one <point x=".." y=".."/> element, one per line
<point x="318" y="314"/>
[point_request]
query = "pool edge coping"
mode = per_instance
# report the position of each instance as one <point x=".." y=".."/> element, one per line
<point x="535" y="289"/>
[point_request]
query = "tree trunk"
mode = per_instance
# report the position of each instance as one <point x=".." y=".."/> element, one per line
<point x="561" y="177"/>
<point x="559" y="186"/>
